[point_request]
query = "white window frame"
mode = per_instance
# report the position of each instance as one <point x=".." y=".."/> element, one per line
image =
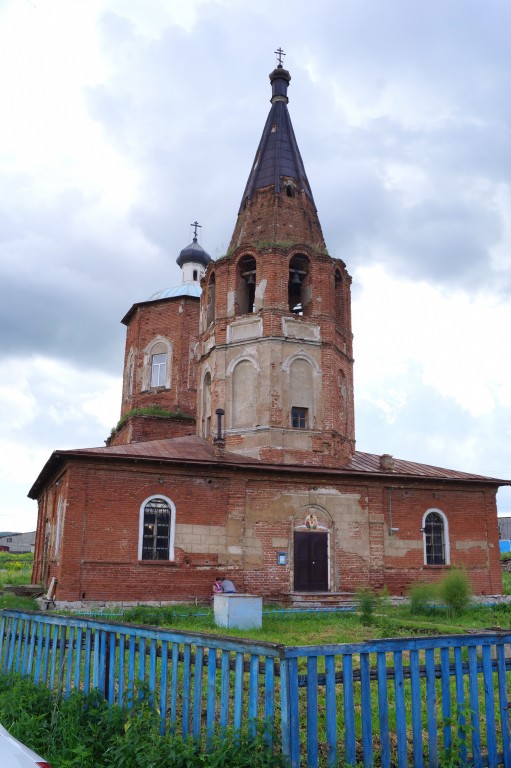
<point x="149" y="352"/>
<point x="158" y="370"/>
<point x="447" y="547"/>
<point x="172" y="532"/>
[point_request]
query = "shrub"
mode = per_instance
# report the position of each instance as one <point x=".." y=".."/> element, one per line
<point x="422" y="597"/>
<point x="367" y="602"/>
<point x="454" y="591"/>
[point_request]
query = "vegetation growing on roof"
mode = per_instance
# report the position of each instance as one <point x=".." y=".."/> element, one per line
<point x="150" y="410"/>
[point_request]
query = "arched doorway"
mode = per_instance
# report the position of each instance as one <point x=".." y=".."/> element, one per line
<point x="311" y="562"/>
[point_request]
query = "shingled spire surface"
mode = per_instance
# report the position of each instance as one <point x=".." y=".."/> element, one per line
<point x="277" y="155"/>
<point x="277" y="204"/>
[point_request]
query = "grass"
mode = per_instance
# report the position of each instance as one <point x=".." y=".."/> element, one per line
<point x="318" y="628"/>
<point x="15" y="568"/>
<point x="84" y="732"/>
<point x="506" y="583"/>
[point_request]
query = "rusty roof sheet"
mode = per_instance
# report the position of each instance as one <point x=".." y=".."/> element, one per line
<point x="196" y="450"/>
<point x="370" y="462"/>
<point x="188" y="448"/>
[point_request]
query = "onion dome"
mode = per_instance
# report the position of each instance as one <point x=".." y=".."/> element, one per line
<point x="193" y="253"/>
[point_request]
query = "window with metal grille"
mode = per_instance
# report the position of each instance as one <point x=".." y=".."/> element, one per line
<point x="156" y="531"/>
<point x="434" y="534"/>
<point x="158" y="370"/>
<point x="299" y="417"/>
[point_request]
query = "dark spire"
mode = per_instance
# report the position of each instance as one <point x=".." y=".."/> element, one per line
<point x="278" y="155"/>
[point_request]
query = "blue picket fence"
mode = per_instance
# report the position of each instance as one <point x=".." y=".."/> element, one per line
<point x="398" y="702"/>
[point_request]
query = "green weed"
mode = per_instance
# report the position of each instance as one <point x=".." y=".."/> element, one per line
<point x="454" y="590"/>
<point x="84" y="732"/>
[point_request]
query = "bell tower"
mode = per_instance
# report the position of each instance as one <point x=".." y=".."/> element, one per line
<point x="275" y="330"/>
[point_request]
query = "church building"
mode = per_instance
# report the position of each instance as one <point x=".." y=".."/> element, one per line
<point x="235" y="451"/>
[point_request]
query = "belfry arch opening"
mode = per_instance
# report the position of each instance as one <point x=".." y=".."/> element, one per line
<point x="246" y="282"/>
<point x="298" y="272"/>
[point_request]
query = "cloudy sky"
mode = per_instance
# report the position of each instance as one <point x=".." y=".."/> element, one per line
<point x="122" y="121"/>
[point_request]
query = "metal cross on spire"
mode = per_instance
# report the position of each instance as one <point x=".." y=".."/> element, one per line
<point x="280" y="53"/>
<point x="195" y="225"/>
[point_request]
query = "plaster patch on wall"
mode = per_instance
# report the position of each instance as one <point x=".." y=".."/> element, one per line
<point x="401" y="547"/>
<point x="464" y="545"/>
<point x="261" y="288"/>
<point x="201" y="539"/>
<point x="245" y="328"/>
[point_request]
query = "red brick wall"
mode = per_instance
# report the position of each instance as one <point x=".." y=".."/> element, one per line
<point x="140" y="428"/>
<point x="99" y="544"/>
<point x="176" y="319"/>
<point x="277" y="217"/>
<point x="329" y="308"/>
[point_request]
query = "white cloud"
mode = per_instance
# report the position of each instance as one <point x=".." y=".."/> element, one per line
<point x="452" y="339"/>
<point x="124" y="121"/>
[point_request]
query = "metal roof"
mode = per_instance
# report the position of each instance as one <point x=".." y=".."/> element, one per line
<point x="185" y="289"/>
<point x="194" y="450"/>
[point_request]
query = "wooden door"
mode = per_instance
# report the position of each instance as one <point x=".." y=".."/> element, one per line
<point x="311" y="562"/>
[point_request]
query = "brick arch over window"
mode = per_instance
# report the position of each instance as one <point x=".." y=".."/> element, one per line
<point x="157" y="525"/>
<point x="157" y="371"/>
<point x="435" y="531"/>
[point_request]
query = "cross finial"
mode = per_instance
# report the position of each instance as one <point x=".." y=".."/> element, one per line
<point x="195" y="225"/>
<point x="280" y="53"/>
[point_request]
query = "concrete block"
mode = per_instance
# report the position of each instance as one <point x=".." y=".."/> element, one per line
<point x="238" y="611"/>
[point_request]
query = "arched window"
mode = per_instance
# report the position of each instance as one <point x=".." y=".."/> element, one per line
<point x="245" y="291"/>
<point x="156" y="529"/>
<point x="436" y="538"/>
<point x="157" y="365"/>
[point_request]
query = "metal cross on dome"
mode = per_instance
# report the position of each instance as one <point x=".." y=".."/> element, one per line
<point x="195" y="225"/>
<point x="280" y="53"/>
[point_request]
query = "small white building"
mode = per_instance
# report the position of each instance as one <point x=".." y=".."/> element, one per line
<point x="19" y="543"/>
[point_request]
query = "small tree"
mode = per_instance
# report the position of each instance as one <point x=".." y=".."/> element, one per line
<point x="367" y="601"/>
<point x="455" y="591"/>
